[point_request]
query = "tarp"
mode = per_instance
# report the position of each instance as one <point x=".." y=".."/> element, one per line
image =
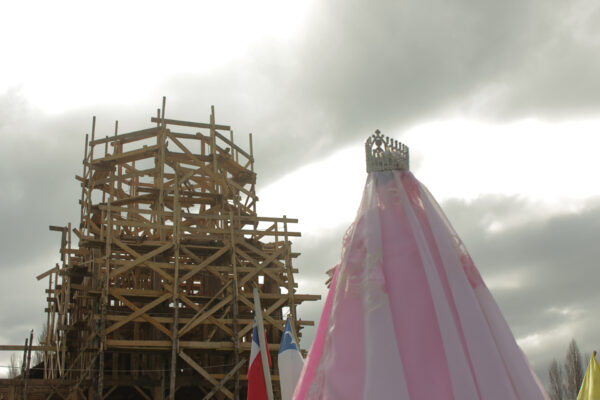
<point x="408" y="316"/>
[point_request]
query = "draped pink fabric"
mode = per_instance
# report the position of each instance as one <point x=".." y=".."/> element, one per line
<point x="408" y="316"/>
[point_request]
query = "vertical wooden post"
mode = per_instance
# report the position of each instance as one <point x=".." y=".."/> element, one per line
<point x="83" y="185"/>
<point x="263" y="344"/>
<point x="213" y="139"/>
<point x="28" y="366"/>
<point x="23" y="364"/>
<point x="47" y="338"/>
<point x="105" y="155"/>
<point x="162" y="139"/>
<point x="290" y="273"/>
<point x="176" y="240"/>
<point x="236" y="339"/>
<point x="253" y="191"/>
<point x="90" y="183"/>
<point x="105" y="289"/>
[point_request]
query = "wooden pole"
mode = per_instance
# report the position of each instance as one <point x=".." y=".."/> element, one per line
<point x="175" y="343"/>
<point x="105" y="287"/>
<point x="23" y="364"/>
<point x="26" y="394"/>
<point x="83" y="185"/>
<point x="236" y="339"/>
<point x="263" y="344"/>
<point x="161" y="176"/>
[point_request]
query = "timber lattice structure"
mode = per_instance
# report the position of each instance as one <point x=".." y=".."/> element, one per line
<point x="155" y="301"/>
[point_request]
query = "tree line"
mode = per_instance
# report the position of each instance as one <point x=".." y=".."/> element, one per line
<point x="566" y="378"/>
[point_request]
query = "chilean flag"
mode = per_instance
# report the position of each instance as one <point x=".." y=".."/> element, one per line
<point x="290" y="363"/>
<point x="257" y="389"/>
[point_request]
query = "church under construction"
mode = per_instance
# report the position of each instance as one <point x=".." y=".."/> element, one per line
<point x="152" y="298"/>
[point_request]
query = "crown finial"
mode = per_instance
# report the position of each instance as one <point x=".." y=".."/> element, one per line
<point x="385" y="154"/>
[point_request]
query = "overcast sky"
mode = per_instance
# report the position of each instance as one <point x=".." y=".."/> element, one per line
<point x="499" y="102"/>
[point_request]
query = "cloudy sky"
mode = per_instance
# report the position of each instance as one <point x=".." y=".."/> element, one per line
<point x="499" y="102"/>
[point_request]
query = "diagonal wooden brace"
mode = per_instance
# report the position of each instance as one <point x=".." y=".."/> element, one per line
<point x="140" y="260"/>
<point x="224" y="380"/>
<point x="137" y="311"/>
<point x="148" y="318"/>
<point x="205" y="263"/>
<point x="205" y="374"/>
<point x="201" y="317"/>
<point x="265" y="315"/>
<point x="259" y="267"/>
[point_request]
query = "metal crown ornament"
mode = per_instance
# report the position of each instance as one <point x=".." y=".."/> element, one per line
<point x="385" y="154"/>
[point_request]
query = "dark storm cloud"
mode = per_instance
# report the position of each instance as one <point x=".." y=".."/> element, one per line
<point x="363" y="65"/>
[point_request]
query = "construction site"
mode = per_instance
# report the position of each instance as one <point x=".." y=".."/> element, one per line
<point x="152" y="298"/>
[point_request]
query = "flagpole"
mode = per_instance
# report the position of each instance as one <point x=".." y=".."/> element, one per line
<point x="263" y="345"/>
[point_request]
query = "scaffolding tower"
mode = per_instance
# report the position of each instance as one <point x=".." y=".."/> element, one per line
<point x="155" y="301"/>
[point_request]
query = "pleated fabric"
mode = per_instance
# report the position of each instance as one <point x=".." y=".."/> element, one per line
<point x="408" y="316"/>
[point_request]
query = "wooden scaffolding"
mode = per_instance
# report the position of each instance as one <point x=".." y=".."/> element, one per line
<point x="155" y="301"/>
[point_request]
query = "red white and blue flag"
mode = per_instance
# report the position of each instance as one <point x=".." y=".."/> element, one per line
<point x="290" y="363"/>
<point x="257" y="389"/>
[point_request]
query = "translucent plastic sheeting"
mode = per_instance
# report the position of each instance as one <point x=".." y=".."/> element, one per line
<point x="408" y="316"/>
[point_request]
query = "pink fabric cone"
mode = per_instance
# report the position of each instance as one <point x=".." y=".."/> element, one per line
<point x="408" y="316"/>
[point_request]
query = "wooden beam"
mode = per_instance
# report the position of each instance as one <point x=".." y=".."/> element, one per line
<point x="191" y="124"/>
<point x="223" y="381"/>
<point x="139" y="260"/>
<point x="204" y="373"/>
<point x="138" y="312"/>
<point x="20" y="347"/>
<point x="145" y="316"/>
<point x="205" y="263"/>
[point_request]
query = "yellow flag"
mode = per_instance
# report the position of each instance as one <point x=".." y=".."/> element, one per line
<point x="590" y="388"/>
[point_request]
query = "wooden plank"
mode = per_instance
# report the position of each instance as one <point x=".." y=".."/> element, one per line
<point x="211" y="319"/>
<point x="191" y="124"/>
<point x="225" y="379"/>
<point x="193" y="157"/>
<point x="127" y="137"/>
<point x="236" y="147"/>
<point x="205" y="315"/>
<point x="133" y="155"/>
<point x="133" y="210"/>
<point x="112" y="389"/>
<point x="145" y="316"/>
<point x="277" y="323"/>
<point x="137" y="255"/>
<point x="45" y="274"/>
<point x="137" y="313"/>
<point x="149" y="172"/>
<point x="259" y="267"/>
<point x="248" y="218"/>
<point x="196" y="259"/>
<point x="141" y="392"/>
<point x="227" y="321"/>
<point x="140" y="260"/>
<point x="205" y="263"/>
<point x="204" y="373"/>
<point x="20" y="347"/>
<point x="146" y="198"/>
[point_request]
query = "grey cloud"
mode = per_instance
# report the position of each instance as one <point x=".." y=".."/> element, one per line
<point x="559" y="257"/>
<point x="390" y="65"/>
<point x="358" y="66"/>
